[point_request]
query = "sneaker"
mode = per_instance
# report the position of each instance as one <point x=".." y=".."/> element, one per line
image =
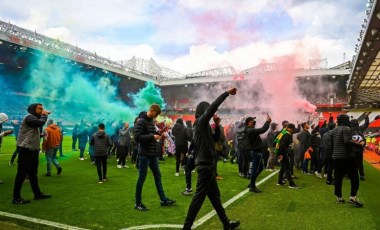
<point x="269" y="170"/>
<point x="340" y="200"/>
<point x="59" y="171"/>
<point x="141" y="207"/>
<point x="362" y="178"/>
<point x="280" y="183"/>
<point x="232" y="225"/>
<point x="294" y="186"/>
<point x="176" y="174"/>
<point x="167" y="202"/>
<point x="125" y="166"/>
<point x="318" y="175"/>
<point x="10" y="163"/>
<point x="294" y="177"/>
<point x="255" y="190"/>
<point x="325" y="176"/>
<point x="42" y="197"/>
<point x="355" y="201"/>
<point x="118" y="166"/>
<point x="100" y="181"/>
<point x="20" y="201"/>
<point x="81" y="158"/>
<point x="187" y="192"/>
<point x="219" y="178"/>
<point x="105" y="179"/>
<point x="330" y="182"/>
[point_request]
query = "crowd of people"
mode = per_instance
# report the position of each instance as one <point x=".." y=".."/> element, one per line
<point x="332" y="150"/>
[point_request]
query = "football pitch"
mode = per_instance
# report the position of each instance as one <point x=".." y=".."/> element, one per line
<point x="79" y="202"/>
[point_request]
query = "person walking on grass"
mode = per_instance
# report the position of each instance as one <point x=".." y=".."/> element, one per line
<point x="101" y="142"/>
<point x="124" y="143"/>
<point x="344" y="162"/>
<point x="147" y="139"/>
<point x="28" y="143"/>
<point x="50" y="145"/>
<point x="283" y="147"/>
<point x="205" y="161"/>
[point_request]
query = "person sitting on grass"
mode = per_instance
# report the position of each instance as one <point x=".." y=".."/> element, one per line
<point x="101" y="142"/>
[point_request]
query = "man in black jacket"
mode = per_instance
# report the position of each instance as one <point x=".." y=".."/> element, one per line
<point x="344" y="162"/>
<point x="254" y="145"/>
<point x="147" y="138"/>
<point x="205" y="161"/>
<point x="285" y="140"/>
<point x="181" y="135"/>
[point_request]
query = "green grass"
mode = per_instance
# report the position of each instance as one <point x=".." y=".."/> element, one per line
<point x="78" y="199"/>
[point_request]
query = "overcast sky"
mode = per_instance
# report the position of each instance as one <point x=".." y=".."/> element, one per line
<point x="195" y="35"/>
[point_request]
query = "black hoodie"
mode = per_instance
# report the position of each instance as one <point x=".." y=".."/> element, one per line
<point x="203" y="138"/>
<point x="181" y="134"/>
<point x="144" y="135"/>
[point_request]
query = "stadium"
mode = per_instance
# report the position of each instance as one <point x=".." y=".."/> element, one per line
<point x="79" y="86"/>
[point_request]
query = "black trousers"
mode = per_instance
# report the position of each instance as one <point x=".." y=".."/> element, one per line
<point x="190" y="166"/>
<point x="101" y="163"/>
<point x="122" y="152"/>
<point x="27" y="166"/>
<point x="341" y="168"/>
<point x="359" y="163"/>
<point x="74" y="143"/>
<point x="206" y="186"/>
<point x="285" y="170"/>
<point x="291" y="161"/>
<point x="329" y="168"/>
<point x="180" y="152"/>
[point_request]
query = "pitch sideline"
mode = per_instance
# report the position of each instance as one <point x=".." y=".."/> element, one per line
<point x="39" y="221"/>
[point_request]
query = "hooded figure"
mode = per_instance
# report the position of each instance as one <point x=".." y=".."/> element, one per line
<point x="205" y="160"/>
<point x="28" y="143"/>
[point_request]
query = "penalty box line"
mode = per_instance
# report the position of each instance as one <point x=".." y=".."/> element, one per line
<point x="40" y="221"/>
<point x="208" y="215"/>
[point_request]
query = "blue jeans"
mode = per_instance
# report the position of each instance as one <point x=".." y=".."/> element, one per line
<point x="51" y="157"/>
<point x="152" y="162"/>
<point x="257" y="166"/>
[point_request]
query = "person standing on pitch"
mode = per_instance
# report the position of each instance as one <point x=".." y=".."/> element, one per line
<point x="28" y="143"/>
<point x="147" y="139"/>
<point x="205" y="161"/>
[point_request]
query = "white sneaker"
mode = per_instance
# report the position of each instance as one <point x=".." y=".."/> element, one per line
<point x="176" y="174"/>
<point x="318" y="175"/>
<point x="81" y="158"/>
<point x="118" y="166"/>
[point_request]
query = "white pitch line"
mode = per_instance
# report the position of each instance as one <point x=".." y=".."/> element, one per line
<point x="207" y="216"/>
<point x="40" y="221"/>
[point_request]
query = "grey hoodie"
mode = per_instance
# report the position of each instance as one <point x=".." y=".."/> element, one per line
<point x="29" y="135"/>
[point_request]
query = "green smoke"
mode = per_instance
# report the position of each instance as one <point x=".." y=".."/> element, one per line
<point x="74" y="92"/>
<point x="148" y="95"/>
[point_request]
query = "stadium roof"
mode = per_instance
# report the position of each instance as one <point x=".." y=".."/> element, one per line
<point x="364" y="82"/>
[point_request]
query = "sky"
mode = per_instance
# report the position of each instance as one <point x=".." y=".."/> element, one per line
<point x="189" y="36"/>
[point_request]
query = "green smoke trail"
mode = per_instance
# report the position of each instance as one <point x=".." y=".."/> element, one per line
<point x="148" y="95"/>
<point x="73" y="92"/>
